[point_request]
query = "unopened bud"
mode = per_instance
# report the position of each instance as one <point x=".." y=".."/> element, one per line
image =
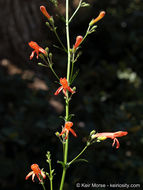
<point x="41" y="64"/>
<point x="78" y="42"/>
<point x="100" y="16"/>
<point x="85" y="4"/>
<point x="47" y="49"/>
<point x="50" y="55"/>
<point x="45" y="13"/>
<point x="74" y="88"/>
<point x="92" y="132"/>
<point x="57" y="134"/>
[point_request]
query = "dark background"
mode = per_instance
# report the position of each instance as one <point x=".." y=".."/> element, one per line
<point x="109" y="93"/>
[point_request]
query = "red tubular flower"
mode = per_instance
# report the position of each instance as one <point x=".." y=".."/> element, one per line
<point x="37" y="49"/>
<point x="78" y="42"/>
<point x="45" y="13"/>
<point x="36" y="171"/>
<point x="67" y="128"/>
<point x="64" y="86"/>
<point x="111" y="136"/>
<point x="100" y="16"/>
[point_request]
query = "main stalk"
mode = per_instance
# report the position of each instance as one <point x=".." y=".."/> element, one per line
<point x="65" y="148"/>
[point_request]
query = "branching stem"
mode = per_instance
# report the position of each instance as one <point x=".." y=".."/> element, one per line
<point x="78" y="156"/>
<point x="75" y="11"/>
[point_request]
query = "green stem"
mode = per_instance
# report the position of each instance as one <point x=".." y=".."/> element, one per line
<point x="67" y="100"/>
<point x="50" y="65"/>
<point x="72" y="67"/>
<point x="75" y="11"/>
<point x="59" y="39"/>
<point x="51" y="176"/>
<point x="43" y="185"/>
<point x="63" y="179"/>
<point x="68" y="39"/>
<point x="54" y="72"/>
<point x="86" y="34"/>
<point x="77" y="155"/>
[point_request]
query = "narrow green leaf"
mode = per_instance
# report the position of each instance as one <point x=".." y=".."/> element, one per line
<point x="74" y="76"/>
<point x="52" y="171"/>
<point x="48" y="174"/>
<point x="70" y="116"/>
<point x="81" y="160"/>
<point x="61" y="117"/>
<point x="62" y="163"/>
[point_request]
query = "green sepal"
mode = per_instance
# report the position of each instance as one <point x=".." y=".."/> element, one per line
<point x="41" y="56"/>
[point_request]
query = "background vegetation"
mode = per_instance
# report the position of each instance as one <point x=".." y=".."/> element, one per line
<point x="109" y="94"/>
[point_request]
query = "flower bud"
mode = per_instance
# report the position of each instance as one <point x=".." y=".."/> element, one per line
<point x="45" y="13"/>
<point x="85" y="4"/>
<point x="47" y="49"/>
<point x="41" y="64"/>
<point x="57" y="134"/>
<point x="50" y="55"/>
<point x="74" y="88"/>
<point x="92" y="133"/>
<point x="78" y="42"/>
<point x="100" y="16"/>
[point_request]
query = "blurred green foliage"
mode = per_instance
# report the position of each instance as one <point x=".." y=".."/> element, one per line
<point x="109" y="98"/>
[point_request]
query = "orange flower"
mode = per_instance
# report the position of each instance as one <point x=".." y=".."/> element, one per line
<point x="64" y="86"/>
<point x="100" y="16"/>
<point x="67" y="128"/>
<point x="103" y="136"/>
<point x="36" y="171"/>
<point x="45" y="13"/>
<point x="78" y="42"/>
<point x="37" y="49"/>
